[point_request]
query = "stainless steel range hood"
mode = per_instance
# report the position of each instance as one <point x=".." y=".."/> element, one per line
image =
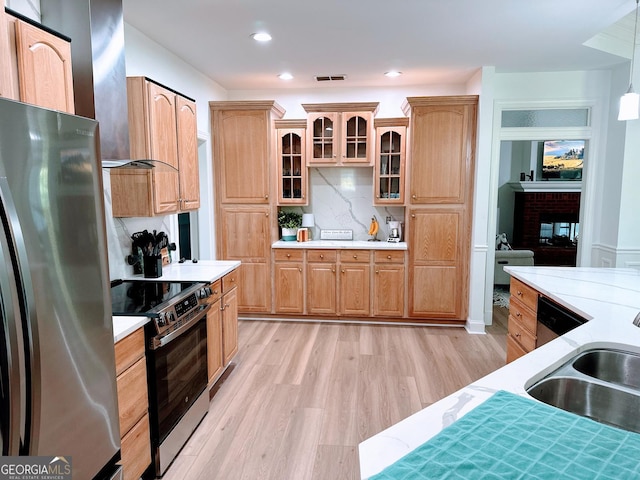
<point x="96" y="28"/>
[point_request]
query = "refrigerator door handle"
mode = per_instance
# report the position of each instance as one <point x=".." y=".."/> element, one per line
<point x="21" y="339"/>
<point x="13" y="396"/>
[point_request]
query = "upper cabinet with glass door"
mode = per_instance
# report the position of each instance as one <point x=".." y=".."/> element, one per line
<point x="290" y="161"/>
<point x="340" y="133"/>
<point x="388" y="183"/>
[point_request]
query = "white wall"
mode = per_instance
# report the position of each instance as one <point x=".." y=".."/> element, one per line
<point x="390" y="99"/>
<point x="28" y="8"/>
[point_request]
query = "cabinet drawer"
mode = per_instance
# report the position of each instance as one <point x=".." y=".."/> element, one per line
<point x="289" y="255"/>
<point x="390" y="256"/>
<point x="524" y="293"/>
<point x="521" y="334"/>
<point x="129" y="350"/>
<point x="322" y="255"/>
<point x="216" y="291"/>
<point x="514" y="349"/>
<point x="132" y="395"/>
<point x="229" y="281"/>
<point x="355" y="256"/>
<point x="524" y="315"/>
<point x="136" y="450"/>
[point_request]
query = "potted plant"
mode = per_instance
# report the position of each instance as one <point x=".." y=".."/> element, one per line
<point x="289" y="222"/>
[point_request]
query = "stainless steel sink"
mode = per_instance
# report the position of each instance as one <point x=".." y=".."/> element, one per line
<point x="601" y="384"/>
<point x="614" y="366"/>
<point x="593" y="400"/>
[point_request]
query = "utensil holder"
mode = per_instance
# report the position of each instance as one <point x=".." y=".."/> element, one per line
<point x="152" y="266"/>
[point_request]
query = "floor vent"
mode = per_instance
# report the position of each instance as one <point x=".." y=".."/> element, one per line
<point x="329" y="78"/>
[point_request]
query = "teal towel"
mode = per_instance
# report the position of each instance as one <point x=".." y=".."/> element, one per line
<point x="513" y="437"/>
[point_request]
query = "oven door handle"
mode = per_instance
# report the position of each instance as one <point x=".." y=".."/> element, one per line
<point x="158" y="342"/>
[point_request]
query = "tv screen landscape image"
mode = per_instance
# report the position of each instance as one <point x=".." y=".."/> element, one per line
<point x="562" y="159"/>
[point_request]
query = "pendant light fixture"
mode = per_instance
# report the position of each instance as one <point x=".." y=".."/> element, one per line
<point x="630" y="101"/>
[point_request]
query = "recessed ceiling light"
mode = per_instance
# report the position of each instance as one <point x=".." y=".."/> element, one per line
<point x="261" y="37"/>
<point x="393" y="73"/>
<point x="285" y="76"/>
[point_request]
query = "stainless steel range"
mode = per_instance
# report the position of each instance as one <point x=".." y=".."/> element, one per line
<point x="176" y="339"/>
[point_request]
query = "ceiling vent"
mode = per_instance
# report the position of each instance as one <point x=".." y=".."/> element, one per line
<point x="329" y="78"/>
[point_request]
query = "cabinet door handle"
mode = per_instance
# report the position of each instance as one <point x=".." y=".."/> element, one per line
<point x="221" y="307"/>
<point x="300" y="269"/>
<point x="413" y="215"/>
<point x="266" y="197"/>
<point x="355" y="256"/>
<point x="389" y="257"/>
<point x="288" y="255"/>
<point x="377" y="271"/>
<point x="518" y="315"/>
<point x="342" y="270"/>
<point x="321" y="257"/>
<point x="414" y="196"/>
<point x="519" y="293"/>
<point x="333" y="270"/>
<point x="266" y="214"/>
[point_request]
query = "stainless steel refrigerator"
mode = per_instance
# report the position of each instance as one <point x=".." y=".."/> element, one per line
<point x="58" y="382"/>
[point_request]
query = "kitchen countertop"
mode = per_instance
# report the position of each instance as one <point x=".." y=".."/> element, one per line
<point x="202" y="271"/>
<point x="609" y="298"/>
<point x="341" y="244"/>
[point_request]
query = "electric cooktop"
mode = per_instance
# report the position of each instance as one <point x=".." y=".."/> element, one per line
<point x="140" y="297"/>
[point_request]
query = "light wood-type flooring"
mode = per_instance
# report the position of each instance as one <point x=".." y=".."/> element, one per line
<point x="302" y="396"/>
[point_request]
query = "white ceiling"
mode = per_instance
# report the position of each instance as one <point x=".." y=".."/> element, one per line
<point x="430" y="41"/>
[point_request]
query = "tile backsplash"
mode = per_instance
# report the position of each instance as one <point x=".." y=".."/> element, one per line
<point x="342" y="198"/>
<point x="119" y="231"/>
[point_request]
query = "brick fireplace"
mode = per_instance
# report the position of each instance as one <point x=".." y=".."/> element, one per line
<point x="531" y="210"/>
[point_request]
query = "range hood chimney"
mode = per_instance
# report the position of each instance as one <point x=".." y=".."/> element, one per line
<point x="96" y="28"/>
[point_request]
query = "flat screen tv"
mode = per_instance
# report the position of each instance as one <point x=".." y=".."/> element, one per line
<point x="562" y="159"/>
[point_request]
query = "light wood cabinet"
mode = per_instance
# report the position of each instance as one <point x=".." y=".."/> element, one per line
<point x="340" y="282"/>
<point x="222" y="325"/>
<point x="245" y="235"/>
<point x="340" y="133"/>
<point x="355" y="276"/>
<point x="289" y="274"/>
<point x="133" y="404"/>
<point x="229" y="309"/>
<point x="161" y="127"/>
<point x="437" y="275"/>
<point x="290" y="162"/>
<point x="388" y="283"/>
<point x="242" y="144"/>
<point x="44" y="68"/>
<point x="390" y="161"/>
<point x="440" y="169"/>
<point x="522" y="324"/>
<point x="215" y="364"/>
<point x="187" y="143"/>
<point x="7" y="48"/>
<point x="322" y="286"/>
<point x="443" y="132"/>
<point x="36" y="65"/>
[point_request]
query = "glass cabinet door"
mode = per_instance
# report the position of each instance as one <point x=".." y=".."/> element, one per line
<point x="390" y="165"/>
<point x="291" y="167"/>
<point x="357" y="141"/>
<point x="323" y="135"/>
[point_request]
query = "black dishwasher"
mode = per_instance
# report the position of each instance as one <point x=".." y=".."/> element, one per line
<point x="554" y="320"/>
